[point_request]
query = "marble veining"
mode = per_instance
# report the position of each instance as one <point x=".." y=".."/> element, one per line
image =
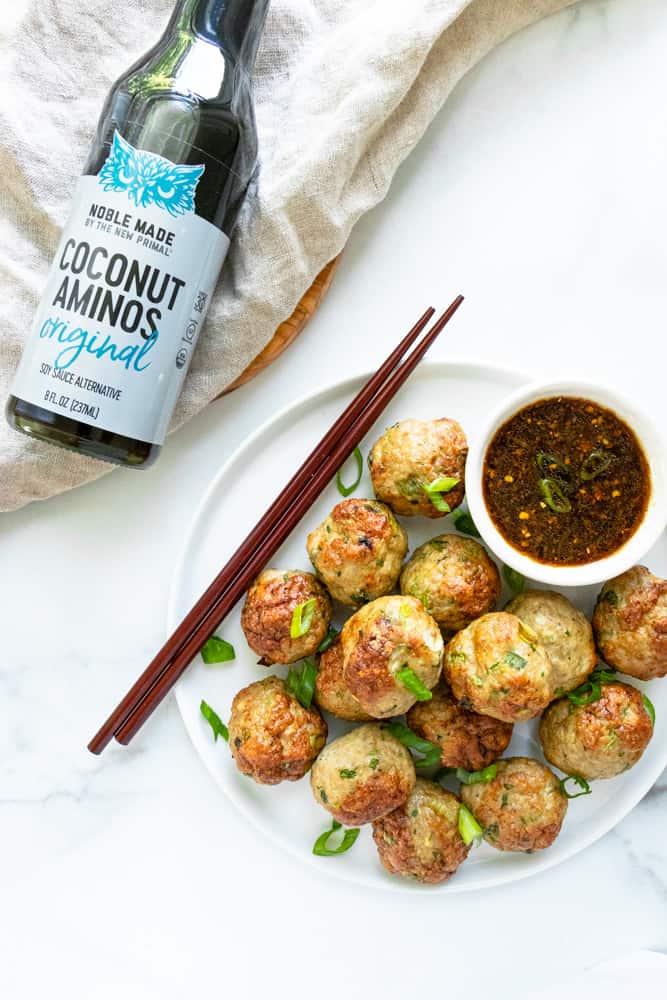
<point x="539" y="193"/>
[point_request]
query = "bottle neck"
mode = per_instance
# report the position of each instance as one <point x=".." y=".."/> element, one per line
<point x="234" y="25"/>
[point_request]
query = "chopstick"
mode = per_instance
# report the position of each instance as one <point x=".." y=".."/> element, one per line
<point x="261" y="544"/>
<point x="147" y="679"/>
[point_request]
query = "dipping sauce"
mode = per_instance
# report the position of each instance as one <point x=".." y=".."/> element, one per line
<point x="565" y="481"/>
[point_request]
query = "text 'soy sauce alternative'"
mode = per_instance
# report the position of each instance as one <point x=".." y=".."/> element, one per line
<point x="126" y="297"/>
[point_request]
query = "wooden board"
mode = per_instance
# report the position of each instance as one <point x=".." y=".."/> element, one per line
<point x="291" y="328"/>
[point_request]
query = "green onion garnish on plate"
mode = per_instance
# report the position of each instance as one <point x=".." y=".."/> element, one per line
<point x="464" y="523"/>
<point x="302" y="618"/>
<point x="434" y="491"/>
<point x="321" y="845"/>
<point x="328" y="640"/>
<point x="217" y="650"/>
<point x="408" y="678"/>
<point x="591" y="689"/>
<point x="214" y="721"/>
<point x="581" y="782"/>
<point x="604" y="674"/>
<point x="344" y="490"/>
<point x="476" y="777"/>
<point x="515" y="581"/>
<point x="470" y="830"/>
<point x="408" y="738"/>
<point x="586" y="693"/>
<point x="650" y="708"/>
<point x="302" y="682"/>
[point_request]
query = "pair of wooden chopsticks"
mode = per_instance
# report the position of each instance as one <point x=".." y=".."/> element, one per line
<point x="267" y="536"/>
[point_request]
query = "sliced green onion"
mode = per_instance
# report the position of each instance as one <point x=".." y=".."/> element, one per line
<point x="586" y="693"/>
<point x="321" y="845"/>
<point x="328" y="640"/>
<point x="408" y="678"/>
<point x="346" y="490"/>
<point x="214" y="721"/>
<point x="302" y="618"/>
<point x="217" y="650"/>
<point x="432" y="758"/>
<point x="650" y="708"/>
<point x="591" y="689"/>
<point x="595" y="464"/>
<point x="434" y="491"/>
<point x="302" y="682"/>
<point x="515" y="581"/>
<point x="476" y="777"/>
<point x="513" y="659"/>
<point x="610" y="596"/>
<point x="470" y="830"/>
<point x="346" y="772"/>
<point x="581" y="782"/>
<point x="409" y="739"/>
<point x="554" y="496"/>
<point x="605" y="674"/>
<point x="464" y="523"/>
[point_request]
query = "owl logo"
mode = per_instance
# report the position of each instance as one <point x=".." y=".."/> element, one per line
<point x="150" y="179"/>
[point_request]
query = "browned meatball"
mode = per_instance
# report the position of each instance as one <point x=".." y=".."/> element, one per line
<point x="630" y="623"/>
<point x="272" y="737"/>
<point x="331" y="691"/>
<point x="521" y="809"/>
<point x="454" y="578"/>
<point x="363" y="775"/>
<point x="381" y="642"/>
<point x="496" y="667"/>
<point x="415" y="454"/>
<point x="268" y="614"/>
<point x="599" y="740"/>
<point x="466" y="739"/>
<point x="421" y="838"/>
<point x="563" y="631"/>
<point x="358" y="550"/>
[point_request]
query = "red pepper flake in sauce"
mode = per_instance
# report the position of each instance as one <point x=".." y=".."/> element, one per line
<point x="566" y="481"/>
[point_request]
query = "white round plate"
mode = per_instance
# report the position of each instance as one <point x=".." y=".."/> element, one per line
<point x="236" y="499"/>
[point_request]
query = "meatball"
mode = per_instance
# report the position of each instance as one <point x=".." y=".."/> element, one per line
<point x="331" y="692"/>
<point x="363" y="775"/>
<point x="521" y="809"/>
<point x="412" y="455"/>
<point x="496" y="667"/>
<point x="272" y="737"/>
<point x="388" y="645"/>
<point x="599" y="740"/>
<point x="421" y="838"/>
<point x="562" y="631"/>
<point x="357" y="551"/>
<point x="268" y="613"/>
<point x="454" y="578"/>
<point x="465" y="738"/>
<point x="630" y="623"/>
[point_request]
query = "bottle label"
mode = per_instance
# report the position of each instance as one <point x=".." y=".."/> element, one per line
<point x="126" y="297"/>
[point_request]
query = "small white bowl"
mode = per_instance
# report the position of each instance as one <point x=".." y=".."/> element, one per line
<point x="648" y="532"/>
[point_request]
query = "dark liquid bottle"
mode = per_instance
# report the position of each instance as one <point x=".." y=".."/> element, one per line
<point x="174" y="153"/>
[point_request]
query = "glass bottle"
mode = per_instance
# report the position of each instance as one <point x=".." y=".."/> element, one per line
<point x="173" y="156"/>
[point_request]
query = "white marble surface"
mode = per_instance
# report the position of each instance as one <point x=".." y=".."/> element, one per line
<point x="539" y="193"/>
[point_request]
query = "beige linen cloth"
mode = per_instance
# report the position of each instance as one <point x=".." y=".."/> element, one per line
<point x="344" y="89"/>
